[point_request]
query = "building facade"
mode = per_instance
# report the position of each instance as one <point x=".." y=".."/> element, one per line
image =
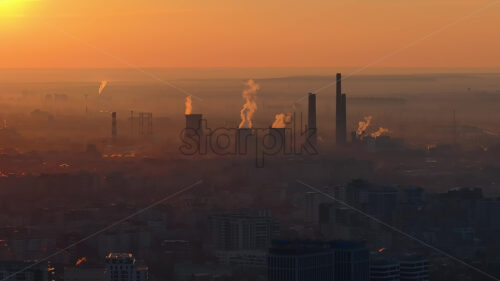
<point x="123" y="267"/>
<point x="318" y="261"/>
<point x="25" y="271"/>
<point x="242" y="231"/>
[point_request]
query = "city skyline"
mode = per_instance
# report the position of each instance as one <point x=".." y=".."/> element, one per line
<point x="190" y="140"/>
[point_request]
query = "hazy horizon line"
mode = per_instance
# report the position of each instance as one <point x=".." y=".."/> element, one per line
<point x="251" y="67"/>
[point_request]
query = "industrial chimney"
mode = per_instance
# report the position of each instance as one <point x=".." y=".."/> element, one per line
<point x="311" y="118"/>
<point x="113" y="125"/>
<point x="341" y="113"/>
<point x="193" y="123"/>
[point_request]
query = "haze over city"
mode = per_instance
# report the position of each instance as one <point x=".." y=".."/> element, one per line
<point x="317" y="140"/>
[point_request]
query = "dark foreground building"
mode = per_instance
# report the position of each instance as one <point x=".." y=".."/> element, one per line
<point x="26" y="271"/>
<point x="318" y="261"/>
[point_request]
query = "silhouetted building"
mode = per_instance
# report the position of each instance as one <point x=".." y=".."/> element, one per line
<point x="196" y="272"/>
<point x="311" y="118"/>
<point x="84" y="273"/>
<point x="193" y="125"/>
<point x="352" y="261"/>
<point x="245" y="141"/>
<point x="113" y="125"/>
<point x="145" y="123"/>
<point x="378" y="201"/>
<point x="312" y="202"/>
<point x="25" y="271"/>
<point x="317" y="261"/>
<point x="486" y="214"/>
<point x="123" y="267"/>
<point x="180" y="250"/>
<point x="382" y="269"/>
<point x="242" y="231"/>
<point x="382" y="202"/>
<point x="300" y="261"/>
<point x="341" y="113"/>
<point x="413" y="268"/>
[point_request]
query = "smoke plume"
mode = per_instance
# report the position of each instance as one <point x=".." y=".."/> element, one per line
<point x="249" y="108"/>
<point x="281" y="120"/>
<point x="379" y="132"/>
<point x="363" y="125"/>
<point x="102" y="86"/>
<point x="189" y="105"/>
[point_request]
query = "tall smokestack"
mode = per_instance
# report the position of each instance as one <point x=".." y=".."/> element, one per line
<point x="113" y="125"/>
<point x="339" y="84"/>
<point x="193" y="123"/>
<point x="245" y="141"/>
<point x="340" y="115"/>
<point x="311" y="117"/>
<point x="343" y="125"/>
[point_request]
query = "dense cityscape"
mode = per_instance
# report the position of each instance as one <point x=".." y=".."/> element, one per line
<point x="364" y="206"/>
<point x="189" y="140"/>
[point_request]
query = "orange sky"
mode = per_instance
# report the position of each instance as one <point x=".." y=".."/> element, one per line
<point x="229" y="33"/>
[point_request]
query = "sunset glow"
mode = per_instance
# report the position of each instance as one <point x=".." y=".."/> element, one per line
<point x="228" y="34"/>
<point x="270" y="140"/>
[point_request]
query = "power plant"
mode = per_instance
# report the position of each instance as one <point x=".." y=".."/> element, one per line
<point x="245" y="134"/>
<point x="142" y="122"/>
<point x="341" y="115"/>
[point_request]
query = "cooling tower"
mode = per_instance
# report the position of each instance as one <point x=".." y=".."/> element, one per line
<point x="245" y="140"/>
<point x="193" y="124"/>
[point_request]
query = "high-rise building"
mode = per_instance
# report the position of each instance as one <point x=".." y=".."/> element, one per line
<point x="382" y="202"/>
<point x="25" y="271"/>
<point x="180" y="250"/>
<point x="311" y="118"/>
<point x="409" y="267"/>
<point x="300" y="261"/>
<point x="352" y="261"/>
<point x="312" y="202"/>
<point x="317" y="261"/>
<point x="413" y="268"/>
<point x="242" y="231"/>
<point x="84" y="273"/>
<point x="378" y="201"/>
<point x="123" y="267"/>
<point x="341" y="113"/>
<point x="382" y="269"/>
